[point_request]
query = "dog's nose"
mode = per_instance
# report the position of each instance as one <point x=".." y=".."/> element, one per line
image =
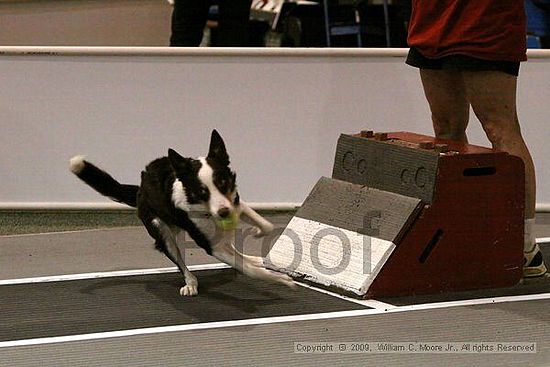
<point x="224" y="212"/>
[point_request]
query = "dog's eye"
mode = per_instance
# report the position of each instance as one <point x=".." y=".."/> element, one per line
<point x="223" y="185"/>
<point x="204" y="194"/>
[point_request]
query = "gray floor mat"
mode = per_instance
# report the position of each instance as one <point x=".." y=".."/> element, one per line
<point x="109" y="304"/>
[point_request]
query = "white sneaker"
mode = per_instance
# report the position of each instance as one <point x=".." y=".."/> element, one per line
<point x="533" y="263"/>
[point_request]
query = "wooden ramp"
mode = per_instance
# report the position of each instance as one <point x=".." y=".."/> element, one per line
<point x="342" y="235"/>
<point x="407" y="214"/>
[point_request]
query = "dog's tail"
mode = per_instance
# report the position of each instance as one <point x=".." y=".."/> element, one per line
<point x="103" y="183"/>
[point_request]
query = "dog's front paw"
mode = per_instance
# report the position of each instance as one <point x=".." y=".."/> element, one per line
<point x="189" y="290"/>
<point x="264" y="230"/>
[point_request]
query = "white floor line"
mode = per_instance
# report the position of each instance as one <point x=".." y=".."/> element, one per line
<point x="472" y="302"/>
<point x="262" y="321"/>
<point x="187" y="327"/>
<point x="109" y="274"/>
<point x="542" y="240"/>
<point x="379" y="305"/>
<point x="363" y="302"/>
<point x="106" y="229"/>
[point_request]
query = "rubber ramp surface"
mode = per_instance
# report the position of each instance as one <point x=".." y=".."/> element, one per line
<point x="109" y="304"/>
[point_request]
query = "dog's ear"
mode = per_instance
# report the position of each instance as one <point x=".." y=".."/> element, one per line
<point x="217" y="149"/>
<point x="178" y="162"/>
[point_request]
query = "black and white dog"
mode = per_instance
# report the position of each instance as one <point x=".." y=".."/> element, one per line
<point x="171" y="188"/>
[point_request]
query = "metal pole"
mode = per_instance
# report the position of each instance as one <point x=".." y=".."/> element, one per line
<point x="327" y="24"/>
<point x="387" y="23"/>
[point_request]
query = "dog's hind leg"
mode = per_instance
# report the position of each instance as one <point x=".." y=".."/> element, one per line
<point x="249" y="265"/>
<point x="168" y="244"/>
<point x="263" y="227"/>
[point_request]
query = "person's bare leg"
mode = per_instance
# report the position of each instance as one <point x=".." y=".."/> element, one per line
<point x="493" y="98"/>
<point x="449" y="106"/>
<point x="492" y="95"/>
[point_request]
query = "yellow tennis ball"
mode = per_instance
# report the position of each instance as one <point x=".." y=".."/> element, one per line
<point x="229" y="223"/>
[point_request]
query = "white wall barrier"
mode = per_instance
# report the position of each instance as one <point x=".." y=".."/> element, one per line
<point x="279" y="110"/>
